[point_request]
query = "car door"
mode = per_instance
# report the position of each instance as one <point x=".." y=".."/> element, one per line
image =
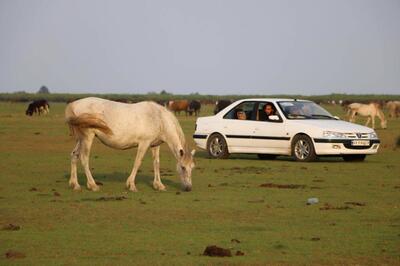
<point x="238" y="132"/>
<point x="270" y="136"/>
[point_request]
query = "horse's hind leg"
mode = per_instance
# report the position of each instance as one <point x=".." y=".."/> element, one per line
<point x="73" y="180"/>
<point x="156" y="163"/>
<point x="142" y="148"/>
<point x="86" y="144"/>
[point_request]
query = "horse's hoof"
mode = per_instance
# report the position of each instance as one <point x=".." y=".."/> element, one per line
<point x="159" y="187"/>
<point x="77" y="188"/>
<point x="132" y="188"/>
<point x="93" y="187"/>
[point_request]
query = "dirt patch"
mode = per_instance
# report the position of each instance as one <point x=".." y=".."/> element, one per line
<point x="118" y="198"/>
<point x="239" y="253"/>
<point x="224" y="184"/>
<point x="315" y="239"/>
<point x="327" y="207"/>
<point x="11" y="254"/>
<point x="318" y="180"/>
<point x="214" y="251"/>
<point x="57" y="194"/>
<point x="178" y="193"/>
<point x="235" y="240"/>
<point x="33" y="189"/>
<point x="315" y="187"/>
<point x="11" y="227"/>
<point x="256" y="201"/>
<point x="288" y="186"/>
<point x="354" y="203"/>
<point x="37" y="133"/>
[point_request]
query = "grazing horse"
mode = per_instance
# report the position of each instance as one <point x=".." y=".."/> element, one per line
<point x="393" y="108"/>
<point x="221" y="104"/>
<point x="371" y="110"/>
<point x="122" y="126"/>
<point x="38" y="107"/>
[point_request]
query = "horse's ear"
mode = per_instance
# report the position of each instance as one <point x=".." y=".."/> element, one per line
<point x="193" y="152"/>
<point x="181" y="152"/>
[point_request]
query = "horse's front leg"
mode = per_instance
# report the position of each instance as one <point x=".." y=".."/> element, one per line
<point x="130" y="182"/>
<point x="156" y="164"/>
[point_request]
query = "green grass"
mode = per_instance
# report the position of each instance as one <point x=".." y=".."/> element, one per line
<point x="274" y="226"/>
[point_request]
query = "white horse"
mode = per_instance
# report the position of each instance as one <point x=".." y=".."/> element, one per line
<point x="371" y="110"/>
<point x="122" y="126"/>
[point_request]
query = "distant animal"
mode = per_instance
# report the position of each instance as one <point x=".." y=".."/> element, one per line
<point x="221" y="104"/>
<point x="162" y="102"/>
<point x="123" y="126"/>
<point x="370" y="110"/>
<point x="38" y="107"/>
<point x="393" y="108"/>
<point x="177" y="106"/>
<point x="194" y="107"/>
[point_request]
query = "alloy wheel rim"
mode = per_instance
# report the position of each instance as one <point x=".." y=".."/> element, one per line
<point x="216" y="146"/>
<point x="302" y="149"/>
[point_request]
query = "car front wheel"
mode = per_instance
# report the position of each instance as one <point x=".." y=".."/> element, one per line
<point x="217" y="147"/>
<point x="303" y="149"/>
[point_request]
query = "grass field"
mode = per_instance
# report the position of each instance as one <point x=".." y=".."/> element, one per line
<point x="272" y="225"/>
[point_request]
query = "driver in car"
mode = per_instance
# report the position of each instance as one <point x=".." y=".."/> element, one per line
<point x="267" y="111"/>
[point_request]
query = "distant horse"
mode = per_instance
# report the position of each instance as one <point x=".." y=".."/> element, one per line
<point x="221" y="104"/>
<point x="38" y="107"/>
<point x="393" y="108"/>
<point x="194" y="107"/>
<point x="122" y="126"/>
<point x="177" y="106"/>
<point x="371" y="110"/>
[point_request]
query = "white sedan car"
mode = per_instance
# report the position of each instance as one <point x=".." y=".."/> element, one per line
<point x="297" y="128"/>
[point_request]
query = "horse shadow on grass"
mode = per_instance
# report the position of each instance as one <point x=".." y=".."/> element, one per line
<point x="120" y="177"/>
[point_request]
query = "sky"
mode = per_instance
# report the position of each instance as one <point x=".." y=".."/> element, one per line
<point x="207" y="46"/>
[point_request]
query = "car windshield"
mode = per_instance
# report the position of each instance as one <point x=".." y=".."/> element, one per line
<point x="303" y="110"/>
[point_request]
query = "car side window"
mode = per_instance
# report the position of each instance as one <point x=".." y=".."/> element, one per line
<point x="243" y="111"/>
<point x="267" y="111"/>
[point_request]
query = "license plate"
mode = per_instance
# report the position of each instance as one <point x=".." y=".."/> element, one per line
<point x="360" y="142"/>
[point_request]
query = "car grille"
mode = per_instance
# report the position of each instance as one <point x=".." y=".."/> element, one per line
<point x="357" y="135"/>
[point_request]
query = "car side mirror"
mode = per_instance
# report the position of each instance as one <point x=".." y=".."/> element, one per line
<point x="273" y="117"/>
<point x="336" y="117"/>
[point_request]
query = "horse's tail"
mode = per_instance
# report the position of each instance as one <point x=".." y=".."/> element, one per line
<point x="77" y="124"/>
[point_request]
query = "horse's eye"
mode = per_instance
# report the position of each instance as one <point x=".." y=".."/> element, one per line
<point x="183" y="168"/>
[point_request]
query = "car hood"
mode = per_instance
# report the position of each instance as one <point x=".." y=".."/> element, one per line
<point x="332" y="125"/>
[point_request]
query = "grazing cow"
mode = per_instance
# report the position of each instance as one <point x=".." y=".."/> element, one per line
<point x="393" y="108"/>
<point x="194" y="106"/>
<point x="370" y="110"/>
<point x="178" y="105"/>
<point x="38" y="107"/>
<point x="145" y="125"/>
<point x="221" y="104"/>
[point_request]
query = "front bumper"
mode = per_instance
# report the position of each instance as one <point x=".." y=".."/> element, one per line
<point x="344" y="146"/>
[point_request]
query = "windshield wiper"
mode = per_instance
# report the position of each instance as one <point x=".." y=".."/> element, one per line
<point x="323" y="116"/>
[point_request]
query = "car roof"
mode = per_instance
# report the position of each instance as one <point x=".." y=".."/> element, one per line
<point x="272" y="99"/>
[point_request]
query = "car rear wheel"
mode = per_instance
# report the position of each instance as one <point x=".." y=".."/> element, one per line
<point x="354" y="157"/>
<point x="217" y="147"/>
<point x="303" y="149"/>
<point x="267" y="156"/>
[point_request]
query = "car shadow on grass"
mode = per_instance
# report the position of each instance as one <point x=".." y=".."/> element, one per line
<point x="253" y="157"/>
<point x="120" y="177"/>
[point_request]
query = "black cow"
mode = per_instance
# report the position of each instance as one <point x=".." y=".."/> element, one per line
<point x="221" y="104"/>
<point x="194" y="106"/>
<point x="38" y="107"/>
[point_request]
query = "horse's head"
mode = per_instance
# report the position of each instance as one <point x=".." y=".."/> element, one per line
<point x="184" y="167"/>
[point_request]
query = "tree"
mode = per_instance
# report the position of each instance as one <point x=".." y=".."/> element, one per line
<point x="43" y="90"/>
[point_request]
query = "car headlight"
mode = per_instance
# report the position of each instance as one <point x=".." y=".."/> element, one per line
<point x="333" y="134"/>
<point x="372" y="135"/>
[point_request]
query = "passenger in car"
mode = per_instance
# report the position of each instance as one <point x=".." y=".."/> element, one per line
<point x="266" y="112"/>
<point x="240" y="114"/>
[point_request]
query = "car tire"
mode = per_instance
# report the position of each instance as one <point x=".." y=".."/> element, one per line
<point x="354" y="157"/>
<point x="217" y="147"/>
<point x="303" y="149"/>
<point x="266" y="156"/>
